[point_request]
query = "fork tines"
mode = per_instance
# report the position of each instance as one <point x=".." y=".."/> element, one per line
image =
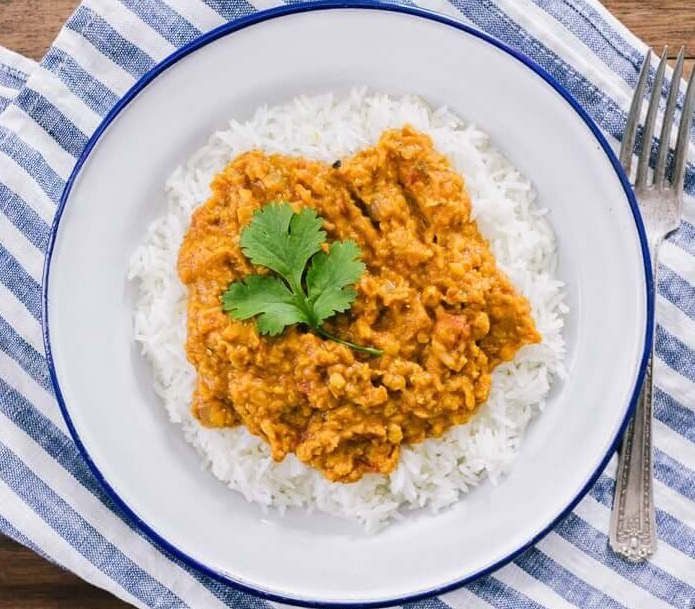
<point x="661" y="173"/>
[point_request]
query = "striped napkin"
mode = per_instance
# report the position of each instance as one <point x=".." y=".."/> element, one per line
<point x="49" y="500"/>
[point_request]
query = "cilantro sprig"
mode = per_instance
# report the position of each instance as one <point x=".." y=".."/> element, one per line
<point x="310" y="284"/>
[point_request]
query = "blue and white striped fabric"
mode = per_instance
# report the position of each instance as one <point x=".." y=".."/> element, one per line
<point x="49" y="500"/>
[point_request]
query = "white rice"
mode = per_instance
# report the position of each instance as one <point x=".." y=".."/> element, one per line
<point x="433" y="474"/>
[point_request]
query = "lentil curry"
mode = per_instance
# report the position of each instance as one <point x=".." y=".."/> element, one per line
<point x="432" y="299"/>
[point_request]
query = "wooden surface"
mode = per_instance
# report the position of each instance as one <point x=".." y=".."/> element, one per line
<point x="27" y="581"/>
<point x="28" y="27"/>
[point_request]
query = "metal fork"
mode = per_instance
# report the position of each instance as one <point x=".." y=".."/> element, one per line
<point x="660" y="199"/>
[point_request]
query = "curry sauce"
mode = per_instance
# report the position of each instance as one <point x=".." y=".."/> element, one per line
<point x="432" y="298"/>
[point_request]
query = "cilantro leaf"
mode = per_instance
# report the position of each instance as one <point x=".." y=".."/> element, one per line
<point x="283" y="241"/>
<point x="265" y="296"/>
<point x="330" y="277"/>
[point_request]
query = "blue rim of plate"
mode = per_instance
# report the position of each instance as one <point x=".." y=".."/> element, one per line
<point x="275" y="13"/>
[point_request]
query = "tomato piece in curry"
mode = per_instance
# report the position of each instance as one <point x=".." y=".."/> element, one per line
<point x="432" y="298"/>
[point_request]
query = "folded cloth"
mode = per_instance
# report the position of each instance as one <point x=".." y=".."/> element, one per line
<point x="49" y="499"/>
<point x="14" y="71"/>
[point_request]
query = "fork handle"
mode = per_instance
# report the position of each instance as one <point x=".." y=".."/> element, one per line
<point x="633" y="522"/>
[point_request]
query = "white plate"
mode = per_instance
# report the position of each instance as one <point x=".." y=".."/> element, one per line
<point x="105" y="387"/>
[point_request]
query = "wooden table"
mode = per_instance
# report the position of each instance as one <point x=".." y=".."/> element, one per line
<point x="28" y="26"/>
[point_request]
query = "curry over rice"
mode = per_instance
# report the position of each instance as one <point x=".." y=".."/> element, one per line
<point x="432" y="299"/>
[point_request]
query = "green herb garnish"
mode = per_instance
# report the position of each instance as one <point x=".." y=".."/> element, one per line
<point x="286" y="242"/>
